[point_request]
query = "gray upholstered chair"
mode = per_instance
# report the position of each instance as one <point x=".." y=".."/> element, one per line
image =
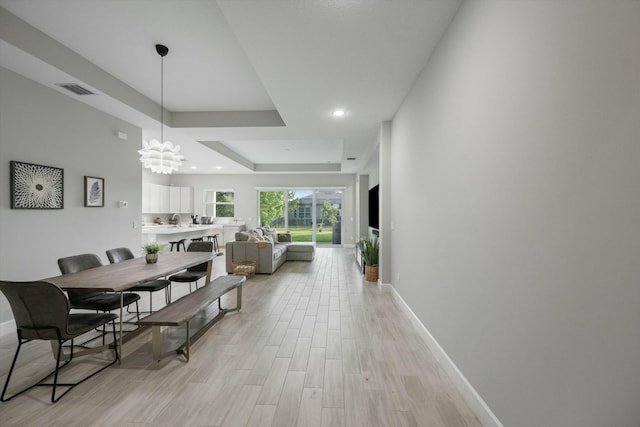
<point x="42" y="312"/>
<point x="93" y="300"/>
<point x="122" y="254"/>
<point x="195" y="273"/>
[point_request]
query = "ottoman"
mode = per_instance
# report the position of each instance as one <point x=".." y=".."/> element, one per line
<point x="300" y="251"/>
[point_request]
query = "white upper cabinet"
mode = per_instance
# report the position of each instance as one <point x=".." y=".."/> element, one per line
<point x="164" y="199"/>
<point x="174" y="199"/>
<point x="186" y="200"/>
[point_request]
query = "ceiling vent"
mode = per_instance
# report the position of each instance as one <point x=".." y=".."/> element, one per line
<point x="75" y="88"/>
<point x="351" y="158"/>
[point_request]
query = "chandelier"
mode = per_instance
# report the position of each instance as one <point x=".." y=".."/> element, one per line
<point x="161" y="156"/>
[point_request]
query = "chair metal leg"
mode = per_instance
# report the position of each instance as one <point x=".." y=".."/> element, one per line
<point x="55" y="376"/>
<point x="13" y="364"/>
<point x="55" y="372"/>
<point x="115" y="341"/>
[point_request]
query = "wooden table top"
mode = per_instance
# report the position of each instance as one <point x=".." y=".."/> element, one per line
<point x="126" y="274"/>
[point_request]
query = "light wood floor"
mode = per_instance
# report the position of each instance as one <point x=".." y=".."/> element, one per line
<point x="314" y="345"/>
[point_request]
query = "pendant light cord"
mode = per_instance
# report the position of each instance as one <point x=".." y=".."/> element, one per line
<point x="162" y="99"/>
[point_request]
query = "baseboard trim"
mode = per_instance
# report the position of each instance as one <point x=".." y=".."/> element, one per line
<point x="477" y="404"/>
<point x="7" y="327"/>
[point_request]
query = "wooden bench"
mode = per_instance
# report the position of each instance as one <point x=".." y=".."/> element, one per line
<point x="186" y="308"/>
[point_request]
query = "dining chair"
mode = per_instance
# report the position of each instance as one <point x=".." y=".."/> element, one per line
<point x="93" y="300"/>
<point x="195" y="273"/>
<point x="42" y="312"/>
<point x="121" y="254"/>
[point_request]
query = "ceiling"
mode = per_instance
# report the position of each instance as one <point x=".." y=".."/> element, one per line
<point x="249" y="86"/>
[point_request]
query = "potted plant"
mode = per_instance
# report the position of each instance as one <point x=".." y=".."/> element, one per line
<point x="151" y="251"/>
<point x="370" y="251"/>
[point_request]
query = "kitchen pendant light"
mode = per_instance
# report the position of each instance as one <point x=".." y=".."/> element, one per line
<point x="161" y="156"/>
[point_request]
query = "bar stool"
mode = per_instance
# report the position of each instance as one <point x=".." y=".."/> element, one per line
<point x="177" y="244"/>
<point x="197" y="239"/>
<point x="214" y="237"/>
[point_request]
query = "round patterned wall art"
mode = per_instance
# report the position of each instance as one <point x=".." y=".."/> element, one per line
<point x="36" y="186"/>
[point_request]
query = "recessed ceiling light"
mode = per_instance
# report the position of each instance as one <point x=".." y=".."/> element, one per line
<point x="338" y="113"/>
<point x="218" y="167"/>
<point x="194" y="167"/>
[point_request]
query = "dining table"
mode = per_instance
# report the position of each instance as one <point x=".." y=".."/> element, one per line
<point x="122" y="276"/>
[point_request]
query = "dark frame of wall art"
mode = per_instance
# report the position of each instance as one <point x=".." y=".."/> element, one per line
<point x="36" y="186"/>
<point x="93" y="192"/>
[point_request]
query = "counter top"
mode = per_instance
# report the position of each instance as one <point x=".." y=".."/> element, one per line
<point x="172" y="229"/>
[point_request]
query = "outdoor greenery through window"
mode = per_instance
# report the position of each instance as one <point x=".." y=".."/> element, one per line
<point x="311" y="215"/>
<point x="219" y="203"/>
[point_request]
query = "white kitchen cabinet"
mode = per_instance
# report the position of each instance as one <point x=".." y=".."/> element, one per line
<point x="175" y="199"/>
<point x="186" y="200"/>
<point x="164" y="199"/>
<point x="154" y="198"/>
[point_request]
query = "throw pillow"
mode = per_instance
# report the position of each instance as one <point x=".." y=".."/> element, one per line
<point x="242" y="236"/>
<point x="257" y="234"/>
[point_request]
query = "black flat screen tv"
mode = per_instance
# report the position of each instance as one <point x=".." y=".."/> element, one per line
<point x="374" y="215"/>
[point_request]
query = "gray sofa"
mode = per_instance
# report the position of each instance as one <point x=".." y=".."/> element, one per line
<point x="268" y="249"/>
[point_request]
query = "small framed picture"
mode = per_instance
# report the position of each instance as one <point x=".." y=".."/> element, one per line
<point x="93" y="192"/>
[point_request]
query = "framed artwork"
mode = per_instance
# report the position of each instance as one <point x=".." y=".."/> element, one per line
<point x="93" y="192"/>
<point x="36" y="186"/>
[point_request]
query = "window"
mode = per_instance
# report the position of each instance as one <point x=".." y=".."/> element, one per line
<point x="313" y="215"/>
<point x="219" y="203"/>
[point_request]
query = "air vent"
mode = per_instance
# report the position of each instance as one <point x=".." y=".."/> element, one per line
<point x="75" y="88"/>
<point x="351" y="158"/>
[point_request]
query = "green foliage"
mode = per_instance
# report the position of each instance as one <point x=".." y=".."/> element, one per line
<point x="225" y="211"/>
<point x="293" y="202"/>
<point x="370" y="251"/>
<point x="272" y="206"/>
<point x="224" y="197"/>
<point x="151" y="248"/>
<point x="329" y="213"/>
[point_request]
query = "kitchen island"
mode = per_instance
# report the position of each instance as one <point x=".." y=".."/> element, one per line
<point x="163" y="234"/>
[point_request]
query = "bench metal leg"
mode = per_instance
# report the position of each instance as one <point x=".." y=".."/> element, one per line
<point x="238" y="302"/>
<point x="185" y="348"/>
<point x="188" y="349"/>
<point x="156" y="338"/>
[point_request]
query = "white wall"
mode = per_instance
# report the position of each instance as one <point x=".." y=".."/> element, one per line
<point x="246" y="195"/>
<point x="39" y="125"/>
<point x="518" y="153"/>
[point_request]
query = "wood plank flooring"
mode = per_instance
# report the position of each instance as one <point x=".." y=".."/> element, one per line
<point x="314" y="345"/>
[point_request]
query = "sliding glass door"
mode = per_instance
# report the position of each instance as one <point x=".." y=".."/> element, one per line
<point x="328" y="208"/>
<point x="309" y="215"/>
<point x="301" y="217"/>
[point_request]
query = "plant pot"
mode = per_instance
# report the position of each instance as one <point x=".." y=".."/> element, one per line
<point x="371" y="273"/>
<point x="151" y="258"/>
